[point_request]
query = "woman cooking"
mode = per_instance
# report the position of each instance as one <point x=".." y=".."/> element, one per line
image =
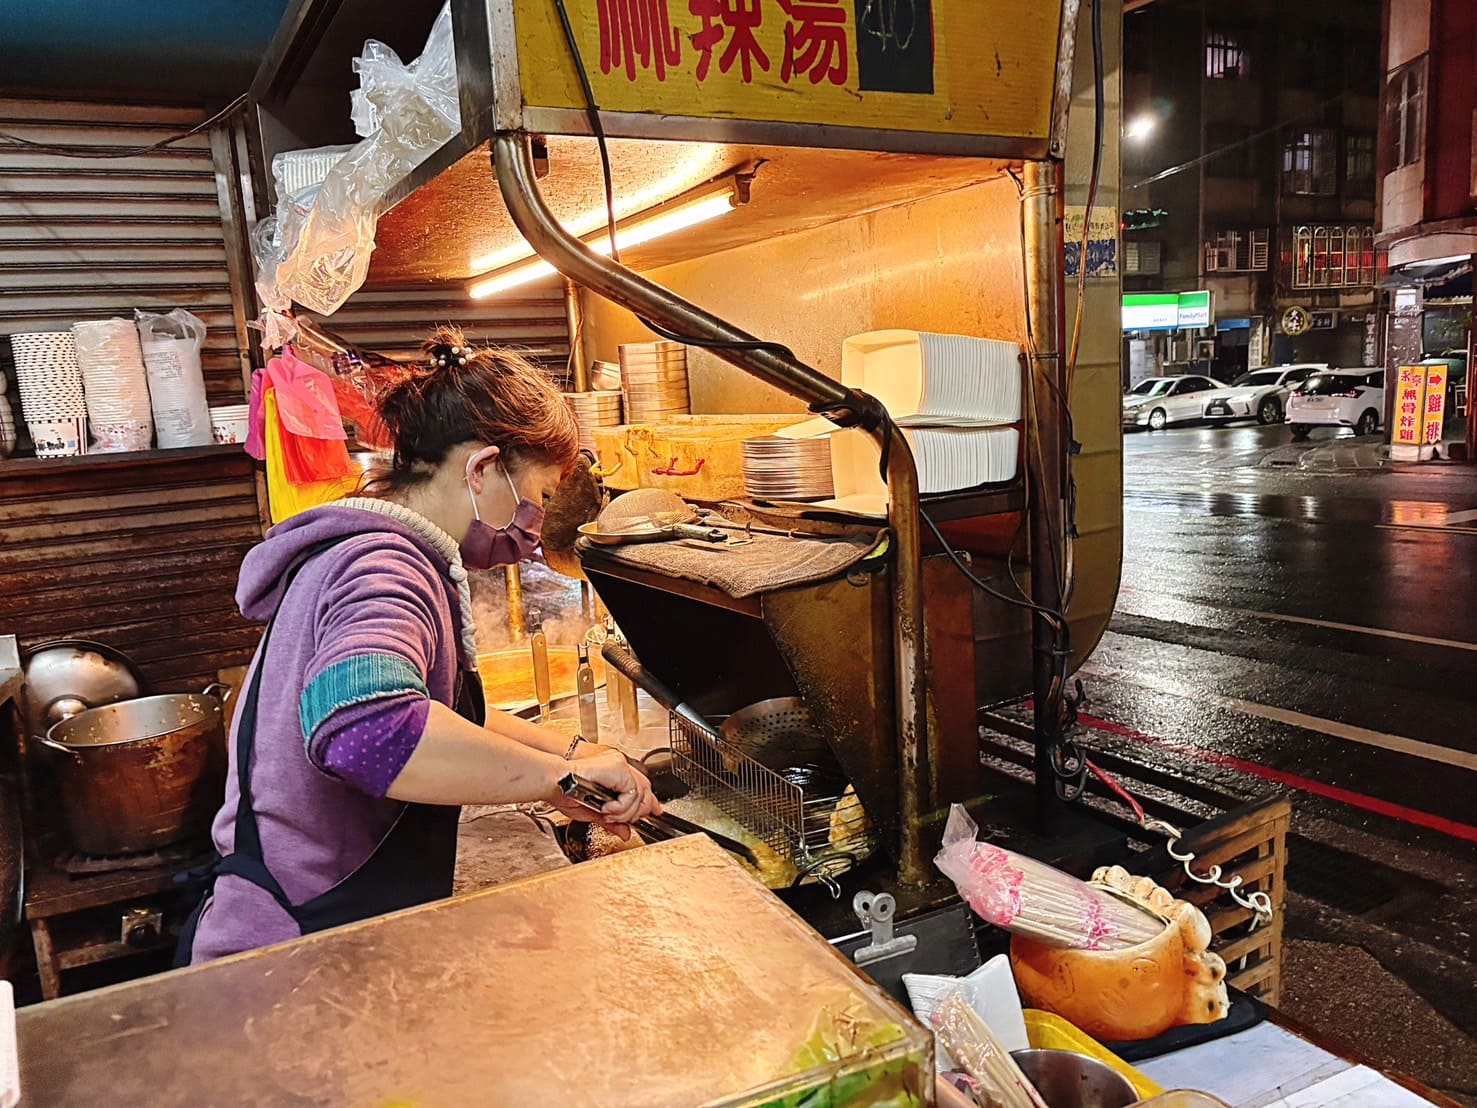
<point x="362" y="728"/>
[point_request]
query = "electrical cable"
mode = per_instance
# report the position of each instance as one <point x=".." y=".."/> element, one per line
<point x="592" y="113"/>
<point x="1300" y="117"/>
<point x="132" y="152"/>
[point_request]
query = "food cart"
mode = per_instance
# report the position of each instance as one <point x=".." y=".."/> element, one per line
<point x="891" y="164"/>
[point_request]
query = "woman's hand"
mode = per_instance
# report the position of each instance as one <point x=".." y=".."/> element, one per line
<point x="609" y="767"/>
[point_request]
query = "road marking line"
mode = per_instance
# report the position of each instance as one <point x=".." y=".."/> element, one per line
<point x="1291" y="780"/>
<point x="1397" y="743"/>
<point x="1404" y="636"/>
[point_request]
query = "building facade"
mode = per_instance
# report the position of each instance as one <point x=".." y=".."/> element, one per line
<point x="1249" y="166"/>
<point x="1427" y="194"/>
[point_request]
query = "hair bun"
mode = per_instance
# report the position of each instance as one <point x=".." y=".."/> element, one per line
<point x="448" y="347"/>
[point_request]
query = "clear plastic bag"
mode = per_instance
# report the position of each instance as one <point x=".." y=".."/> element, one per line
<point x="171" y="345"/>
<point x="316" y="251"/>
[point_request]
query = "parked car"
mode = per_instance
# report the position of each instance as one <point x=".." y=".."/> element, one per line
<point x="1260" y="395"/>
<point x="1339" y="398"/>
<point x="1159" y="401"/>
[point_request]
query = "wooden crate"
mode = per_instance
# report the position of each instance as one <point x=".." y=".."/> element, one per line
<point x="1249" y="842"/>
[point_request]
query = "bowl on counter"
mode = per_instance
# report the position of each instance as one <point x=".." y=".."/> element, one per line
<point x="1066" y="1079"/>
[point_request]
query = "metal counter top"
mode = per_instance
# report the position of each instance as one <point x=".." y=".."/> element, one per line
<point x="662" y="976"/>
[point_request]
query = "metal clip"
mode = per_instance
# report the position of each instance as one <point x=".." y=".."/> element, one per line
<point x="876" y="911"/>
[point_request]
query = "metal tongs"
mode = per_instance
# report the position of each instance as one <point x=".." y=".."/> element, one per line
<point x="657" y="828"/>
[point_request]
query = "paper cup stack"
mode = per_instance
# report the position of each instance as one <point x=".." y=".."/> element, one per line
<point x="654" y="379"/>
<point x="115" y="384"/>
<point x="51" y="392"/>
<point x="8" y="434"/>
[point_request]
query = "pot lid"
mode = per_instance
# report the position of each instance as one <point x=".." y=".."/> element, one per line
<point x="71" y="675"/>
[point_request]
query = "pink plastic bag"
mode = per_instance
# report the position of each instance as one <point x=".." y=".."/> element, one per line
<point x="305" y="399"/>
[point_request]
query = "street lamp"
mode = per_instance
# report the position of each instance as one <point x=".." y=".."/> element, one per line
<point x="1140" y="127"/>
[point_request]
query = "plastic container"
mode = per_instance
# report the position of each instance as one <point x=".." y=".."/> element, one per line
<point x="1048" y="1031"/>
<point x="229" y="425"/>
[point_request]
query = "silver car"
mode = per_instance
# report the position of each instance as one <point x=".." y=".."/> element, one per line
<point x="1157" y="402"/>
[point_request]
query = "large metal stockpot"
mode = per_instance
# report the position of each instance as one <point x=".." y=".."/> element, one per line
<point x="141" y="774"/>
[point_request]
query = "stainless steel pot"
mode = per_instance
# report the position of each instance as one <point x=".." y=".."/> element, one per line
<point x="142" y="773"/>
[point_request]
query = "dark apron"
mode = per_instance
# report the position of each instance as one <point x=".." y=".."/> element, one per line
<point x="412" y="864"/>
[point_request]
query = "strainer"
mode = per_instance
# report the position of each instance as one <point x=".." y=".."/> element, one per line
<point x="659" y="506"/>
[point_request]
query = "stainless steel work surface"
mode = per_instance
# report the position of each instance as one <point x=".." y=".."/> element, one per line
<point x="663" y="976"/>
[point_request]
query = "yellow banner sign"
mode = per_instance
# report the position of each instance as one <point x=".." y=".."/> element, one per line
<point x="1433" y="412"/>
<point x="950" y="67"/>
<point x="1410" y="391"/>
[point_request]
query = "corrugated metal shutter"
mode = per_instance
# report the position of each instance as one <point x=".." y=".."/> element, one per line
<point x="140" y="553"/>
<point x="91" y="238"/>
<point x="394" y="321"/>
<point x="141" y="557"/>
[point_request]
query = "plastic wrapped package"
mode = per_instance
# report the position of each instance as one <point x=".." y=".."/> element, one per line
<point x="171" y="346"/>
<point x="115" y="385"/>
<point x="1027" y="897"/>
<point x="316" y="251"/>
<point x="286" y="497"/>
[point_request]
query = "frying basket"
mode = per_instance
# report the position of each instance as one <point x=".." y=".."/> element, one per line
<point x="791" y="811"/>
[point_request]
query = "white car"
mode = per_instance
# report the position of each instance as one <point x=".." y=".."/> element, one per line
<point x="1157" y="402"/>
<point x="1260" y="395"/>
<point x="1339" y="398"/>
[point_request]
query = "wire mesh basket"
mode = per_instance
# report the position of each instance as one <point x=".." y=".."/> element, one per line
<point x="794" y="812"/>
<point x="717" y="772"/>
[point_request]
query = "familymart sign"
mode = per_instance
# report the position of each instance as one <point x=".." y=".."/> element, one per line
<point x="1165" y="311"/>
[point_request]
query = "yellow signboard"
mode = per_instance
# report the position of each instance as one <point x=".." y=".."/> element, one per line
<point x="1433" y="412"/>
<point x="1410" y="393"/>
<point x="1420" y="405"/>
<point x="947" y="67"/>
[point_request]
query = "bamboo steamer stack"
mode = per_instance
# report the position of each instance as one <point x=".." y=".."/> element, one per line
<point x="593" y="410"/>
<point x="654" y="380"/>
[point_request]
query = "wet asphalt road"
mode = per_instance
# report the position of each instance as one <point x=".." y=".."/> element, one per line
<point x="1316" y="634"/>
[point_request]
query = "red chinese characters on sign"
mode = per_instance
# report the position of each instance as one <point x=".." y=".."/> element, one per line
<point x="637" y="34"/>
<point x="815" y="41"/>
<point x="1434" y="404"/>
<point x="737" y="20"/>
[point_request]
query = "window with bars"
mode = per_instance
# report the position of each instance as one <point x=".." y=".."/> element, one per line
<point x="1332" y="257"/>
<point x="1238" y="251"/>
<point x="1225" y="58"/>
<point x="1359" y="164"/>
<point x="1140" y="257"/>
<point x="1309" y="163"/>
<point x="1405" y="114"/>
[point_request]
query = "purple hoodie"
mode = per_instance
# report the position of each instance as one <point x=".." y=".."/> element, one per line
<point x="383" y="593"/>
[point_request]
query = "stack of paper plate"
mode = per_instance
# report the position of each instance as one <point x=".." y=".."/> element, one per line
<point x="116" y="385"/>
<point x="788" y="469"/>
<point x="654" y="380"/>
<point x="51" y="391"/>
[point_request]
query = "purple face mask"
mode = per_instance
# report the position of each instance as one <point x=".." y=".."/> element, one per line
<point x="486" y="546"/>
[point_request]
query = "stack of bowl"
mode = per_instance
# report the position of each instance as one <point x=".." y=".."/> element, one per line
<point x="593" y="410"/>
<point x="654" y="380"/>
<point x="51" y="392"/>
<point x="117" y="387"/>
<point x="777" y="468"/>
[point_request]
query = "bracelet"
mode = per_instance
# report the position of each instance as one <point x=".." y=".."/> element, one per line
<point x="568" y="754"/>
